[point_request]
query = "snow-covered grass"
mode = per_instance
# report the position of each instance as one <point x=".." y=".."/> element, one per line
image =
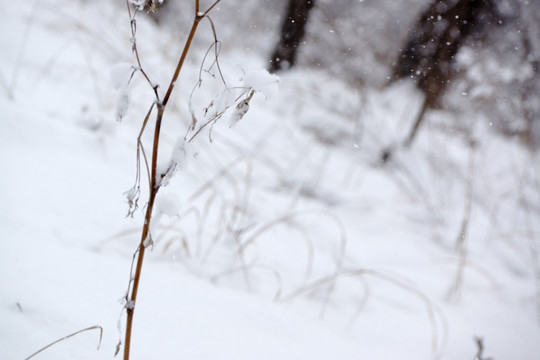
<point x="289" y="239"/>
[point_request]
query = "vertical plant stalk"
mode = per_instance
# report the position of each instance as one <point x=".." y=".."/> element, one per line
<point x="154" y="183"/>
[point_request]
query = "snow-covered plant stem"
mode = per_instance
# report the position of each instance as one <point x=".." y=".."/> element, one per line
<point x="155" y="178"/>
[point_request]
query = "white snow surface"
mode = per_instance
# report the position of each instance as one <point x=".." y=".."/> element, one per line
<point x="286" y="236"/>
<point x="261" y="80"/>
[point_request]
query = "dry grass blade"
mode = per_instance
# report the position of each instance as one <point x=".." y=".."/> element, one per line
<point x="287" y="218"/>
<point x="433" y="312"/>
<point x="531" y="236"/>
<point x="288" y="221"/>
<point x="251" y="267"/>
<point x="223" y="172"/>
<point x="6" y="87"/>
<point x="20" y="54"/>
<point x="69" y="336"/>
<point x="461" y="241"/>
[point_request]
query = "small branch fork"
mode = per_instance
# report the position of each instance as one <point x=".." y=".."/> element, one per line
<point x="154" y="178"/>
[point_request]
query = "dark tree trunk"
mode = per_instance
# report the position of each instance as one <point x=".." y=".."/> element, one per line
<point x="292" y="33"/>
<point x="428" y="55"/>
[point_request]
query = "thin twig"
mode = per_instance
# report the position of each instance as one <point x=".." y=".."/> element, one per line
<point x="133" y="26"/>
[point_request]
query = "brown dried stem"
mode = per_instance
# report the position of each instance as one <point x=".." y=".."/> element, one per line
<point x="131" y="297"/>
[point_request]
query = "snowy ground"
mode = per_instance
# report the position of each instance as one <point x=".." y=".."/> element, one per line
<point x="292" y="240"/>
